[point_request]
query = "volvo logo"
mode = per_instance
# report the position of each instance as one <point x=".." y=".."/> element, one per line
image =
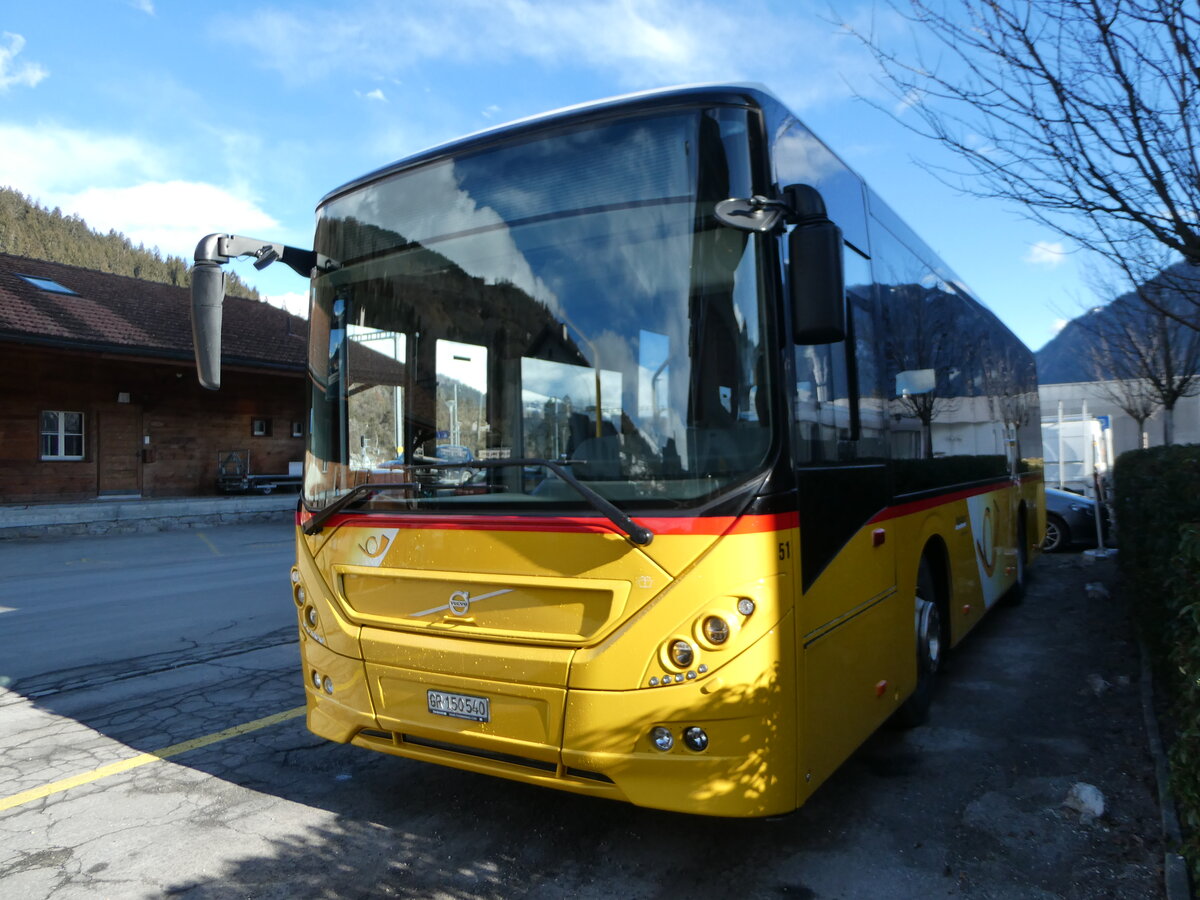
<point x="460" y="603"/>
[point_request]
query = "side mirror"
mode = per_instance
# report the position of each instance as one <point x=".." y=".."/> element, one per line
<point x="208" y="293"/>
<point x="815" y="276"/>
<point x="208" y="289"/>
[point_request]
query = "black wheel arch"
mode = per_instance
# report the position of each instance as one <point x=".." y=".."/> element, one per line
<point x="938" y="558"/>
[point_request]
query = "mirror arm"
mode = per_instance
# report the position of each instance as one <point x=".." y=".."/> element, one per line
<point x="208" y="289"/>
<point x="221" y="248"/>
<point x="801" y="204"/>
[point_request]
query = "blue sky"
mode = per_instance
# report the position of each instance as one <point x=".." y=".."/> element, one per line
<point x="170" y="120"/>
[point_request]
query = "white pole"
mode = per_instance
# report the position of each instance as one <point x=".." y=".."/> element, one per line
<point x="1089" y="464"/>
<point x="1060" y="445"/>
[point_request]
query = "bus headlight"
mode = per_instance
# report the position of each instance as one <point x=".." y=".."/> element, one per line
<point x="310" y="616"/>
<point x="662" y="738"/>
<point x="680" y="653"/>
<point x="695" y="738"/>
<point x="716" y="630"/>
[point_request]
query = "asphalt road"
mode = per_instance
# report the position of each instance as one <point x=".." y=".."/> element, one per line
<point x="150" y="746"/>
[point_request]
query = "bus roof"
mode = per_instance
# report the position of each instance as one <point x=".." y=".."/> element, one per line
<point x="752" y="93"/>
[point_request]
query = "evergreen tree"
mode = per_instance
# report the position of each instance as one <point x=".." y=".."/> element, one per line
<point x="30" y="230"/>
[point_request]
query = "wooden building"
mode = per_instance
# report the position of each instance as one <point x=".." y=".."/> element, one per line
<point x="99" y="395"/>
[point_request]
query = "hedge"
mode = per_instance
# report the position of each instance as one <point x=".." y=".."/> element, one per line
<point x="1157" y="496"/>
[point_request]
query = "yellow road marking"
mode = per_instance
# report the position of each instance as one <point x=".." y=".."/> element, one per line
<point x="142" y="759"/>
<point x="211" y="545"/>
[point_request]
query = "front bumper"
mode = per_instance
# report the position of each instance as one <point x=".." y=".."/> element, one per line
<point x="585" y="741"/>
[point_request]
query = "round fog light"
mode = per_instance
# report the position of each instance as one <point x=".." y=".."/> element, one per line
<point x="662" y="738"/>
<point x="295" y="576"/>
<point x="327" y="684"/>
<point x="716" y="630"/>
<point x="310" y="616"/>
<point x="695" y="738"/>
<point x="745" y="606"/>
<point x="300" y="595"/>
<point x="681" y="654"/>
<point x="316" y="679"/>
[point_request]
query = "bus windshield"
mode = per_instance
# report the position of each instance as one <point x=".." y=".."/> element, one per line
<point x="564" y="297"/>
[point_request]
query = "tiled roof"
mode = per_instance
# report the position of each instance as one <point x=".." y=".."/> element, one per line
<point x="114" y="313"/>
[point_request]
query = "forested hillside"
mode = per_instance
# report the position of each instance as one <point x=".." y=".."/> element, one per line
<point x="27" y="229"/>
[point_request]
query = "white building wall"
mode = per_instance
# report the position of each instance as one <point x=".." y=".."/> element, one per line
<point x="1125" y="433"/>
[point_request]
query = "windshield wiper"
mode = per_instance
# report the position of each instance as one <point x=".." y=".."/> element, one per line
<point x="636" y="533"/>
<point x="356" y="494"/>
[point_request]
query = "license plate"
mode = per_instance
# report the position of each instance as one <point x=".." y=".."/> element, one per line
<point x="459" y="706"/>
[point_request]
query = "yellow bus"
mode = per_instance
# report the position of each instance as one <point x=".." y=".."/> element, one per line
<point x="650" y="455"/>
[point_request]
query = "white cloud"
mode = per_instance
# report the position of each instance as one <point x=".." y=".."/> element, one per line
<point x="1059" y="325"/>
<point x="146" y="6"/>
<point x="12" y="73"/>
<point x="1046" y="253"/>
<point x="376" y="94"/>
<point x="170" y="215"/>
<point x="640" y="42"/>
<point x="913" y="98"/>
<point x="295" y="303"/>
<point x="46" y="159"/>
<point x="123" y="184"/>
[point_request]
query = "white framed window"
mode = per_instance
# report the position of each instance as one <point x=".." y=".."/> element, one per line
<point x="62" y="434"/>
<point x="260" y="427"/>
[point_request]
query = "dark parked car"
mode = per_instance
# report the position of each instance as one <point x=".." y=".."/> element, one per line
<point x="1071" y="521"/>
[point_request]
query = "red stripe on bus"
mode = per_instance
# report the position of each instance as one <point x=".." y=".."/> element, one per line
<point x="702" y="525"/>
<point x="682" y="525"/>
<point x="915" y="506"/>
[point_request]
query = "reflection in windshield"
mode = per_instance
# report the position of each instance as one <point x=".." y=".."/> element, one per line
<point x="567" y="298"/>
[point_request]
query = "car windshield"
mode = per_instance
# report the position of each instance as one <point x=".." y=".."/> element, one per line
<point x="565" y="297"/>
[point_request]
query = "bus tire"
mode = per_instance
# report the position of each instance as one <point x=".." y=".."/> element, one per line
<point x="1016" y="594"/>
<point x="930" y="645"/>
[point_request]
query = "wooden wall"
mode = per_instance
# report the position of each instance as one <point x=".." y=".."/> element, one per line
<point x="163" y="442"/>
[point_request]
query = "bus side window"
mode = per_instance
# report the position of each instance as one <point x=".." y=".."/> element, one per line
<point x="822" y="402"/>
<point x="868" y="367"/>
<point x="837" y="383"/>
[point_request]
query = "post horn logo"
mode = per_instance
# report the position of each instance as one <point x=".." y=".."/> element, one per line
<point x="985" y="546"/>
<point x="374" y="547"/>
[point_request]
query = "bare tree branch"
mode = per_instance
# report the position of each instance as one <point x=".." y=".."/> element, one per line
<point x="1082" y="112"/>
<point x="1145" y="360"/>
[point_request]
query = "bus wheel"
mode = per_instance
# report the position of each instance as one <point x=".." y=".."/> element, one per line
<point x="1016" y="593"/>
<point x="915" y="710"/>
